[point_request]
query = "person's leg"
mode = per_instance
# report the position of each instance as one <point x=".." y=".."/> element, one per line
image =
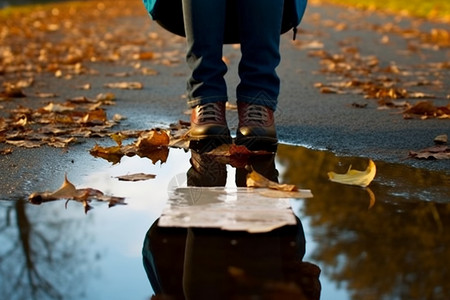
<point x="257" y="93"/>
<point x="204" y="25"/>
<point x="260" y="27"/>
<point x="207" y="92"/>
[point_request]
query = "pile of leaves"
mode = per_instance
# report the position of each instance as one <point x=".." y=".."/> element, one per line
<point x="56" y="124"/>
<point x="392" y="85"/>
<point x="363" y="75"/>
<point x="58" y="39"/>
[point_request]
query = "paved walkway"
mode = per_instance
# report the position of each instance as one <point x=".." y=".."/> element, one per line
<point x="341" y="57"/>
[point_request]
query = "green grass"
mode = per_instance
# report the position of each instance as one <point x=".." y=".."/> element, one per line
<point x="438" y="10"/>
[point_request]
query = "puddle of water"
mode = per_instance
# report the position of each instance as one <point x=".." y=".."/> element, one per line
<point x="397" y="249"/>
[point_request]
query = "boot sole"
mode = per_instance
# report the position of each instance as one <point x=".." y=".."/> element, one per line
<point x="258" y="143"/>
<point x="208" y="143"/>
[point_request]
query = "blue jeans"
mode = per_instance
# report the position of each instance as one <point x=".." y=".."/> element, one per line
<point x="259" y="28"/>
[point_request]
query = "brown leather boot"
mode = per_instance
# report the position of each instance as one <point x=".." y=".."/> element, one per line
<point x="256" y="128"/>
<point x="208" y="123"/>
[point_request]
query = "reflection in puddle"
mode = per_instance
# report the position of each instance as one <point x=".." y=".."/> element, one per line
<point x="397" y="249"/>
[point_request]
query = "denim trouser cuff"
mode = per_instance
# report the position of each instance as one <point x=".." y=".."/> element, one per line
<point x="204" y="100"/>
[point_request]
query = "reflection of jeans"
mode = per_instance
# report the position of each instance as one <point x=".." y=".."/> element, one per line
<point x="198" y="263"/>
<point x="260" y="26"/>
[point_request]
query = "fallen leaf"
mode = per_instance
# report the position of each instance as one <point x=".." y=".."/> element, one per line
<point x="355" y="177"/>
<point x="6" y="151"/>
<point x="112" y="154"/>
<point x="46" y="95"/>
<point x="150" y="144"/>
<point x="254" y="179"/>
<point x="125" y="85"/>
<point x="25" y="144"/>
<point x="69" y="192"/>
<point x="136" y="177"/>
<point x="55" y="107"/>
<point x="153" y="138"/>
<point x="439" y="152"/>
<point x="441" y="139"/>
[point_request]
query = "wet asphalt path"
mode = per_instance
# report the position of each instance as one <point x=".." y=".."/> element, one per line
<point x="304" y="117"/>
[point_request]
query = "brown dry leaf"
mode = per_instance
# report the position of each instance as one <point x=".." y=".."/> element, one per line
<point x="105" y="97"/>
<point x="112" y="154"/>
<point x="254" y="179"/>
<point x="25" y="144"/>
<point x="70" y="192"/>
<point x="55" y="107"/>
<point x="155" y="154"/>
<point x="86" y="86"/>
<point x="441" y="139"/>
<point x="439" y="152"/>
<point x="426" y="109"/>
<point x="125" y="85"/>
<point x="6" y="151"/>
<point x="150" y="144"/>
<point x="153" y="138"/>
<point x="145" y="55"/>
<point x="12" y="92"/>
<point x="136" y="177"/>
<point x="96" y="117"/>
<point x="58" y="142"/>
<point x="46" y="95"/>
<point x="355" y="177"/>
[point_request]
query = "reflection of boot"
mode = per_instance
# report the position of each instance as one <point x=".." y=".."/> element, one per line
<point x="206" y="171"/>
<point x="263" y="164"/>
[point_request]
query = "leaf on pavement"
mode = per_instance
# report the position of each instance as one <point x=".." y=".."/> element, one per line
<point x="439" y="152"/>
<point x="125" y="85"/>
<point x="136" y="177"/>
<point x="153" y="138"/>
<point x="355" y="177"/>
<point x="441" y="139"/>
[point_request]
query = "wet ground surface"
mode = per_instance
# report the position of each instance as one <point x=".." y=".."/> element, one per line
<point x="388" y="241"/>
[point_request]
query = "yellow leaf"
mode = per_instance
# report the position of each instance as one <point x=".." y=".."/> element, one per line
<point x="355" y="177"/>
<point x="254" y="179"/>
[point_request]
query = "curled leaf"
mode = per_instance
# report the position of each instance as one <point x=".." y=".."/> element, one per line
<point x="254" y="179"/>
<point x="355" y="177"/>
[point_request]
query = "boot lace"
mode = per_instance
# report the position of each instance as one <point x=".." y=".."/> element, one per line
<point x="210" y="112"/>
<point x="256" y="114"/>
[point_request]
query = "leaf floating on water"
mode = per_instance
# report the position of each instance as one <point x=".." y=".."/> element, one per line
<point x="136" y="177"/>
<point x="254" y="179"/>
<point x="70" y="192"/>
<point x="151" y="144"/>
<point x="355" y="177"/>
